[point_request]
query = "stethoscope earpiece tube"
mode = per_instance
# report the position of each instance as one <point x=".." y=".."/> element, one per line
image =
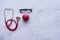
<point x="10" y="20"/>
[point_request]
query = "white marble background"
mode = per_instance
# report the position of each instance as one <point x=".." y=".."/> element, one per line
<point x="44" y="23"/>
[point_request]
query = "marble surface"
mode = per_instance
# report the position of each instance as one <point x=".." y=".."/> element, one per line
<point x="44" y="22"/>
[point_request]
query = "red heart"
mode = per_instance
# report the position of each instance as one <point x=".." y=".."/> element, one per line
<point x="25" y="17"/>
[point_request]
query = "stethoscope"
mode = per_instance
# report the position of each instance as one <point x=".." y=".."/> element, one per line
<point x="11" y="20"/>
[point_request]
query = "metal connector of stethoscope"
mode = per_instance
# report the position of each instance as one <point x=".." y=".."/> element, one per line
<point x="11" y="20"/>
